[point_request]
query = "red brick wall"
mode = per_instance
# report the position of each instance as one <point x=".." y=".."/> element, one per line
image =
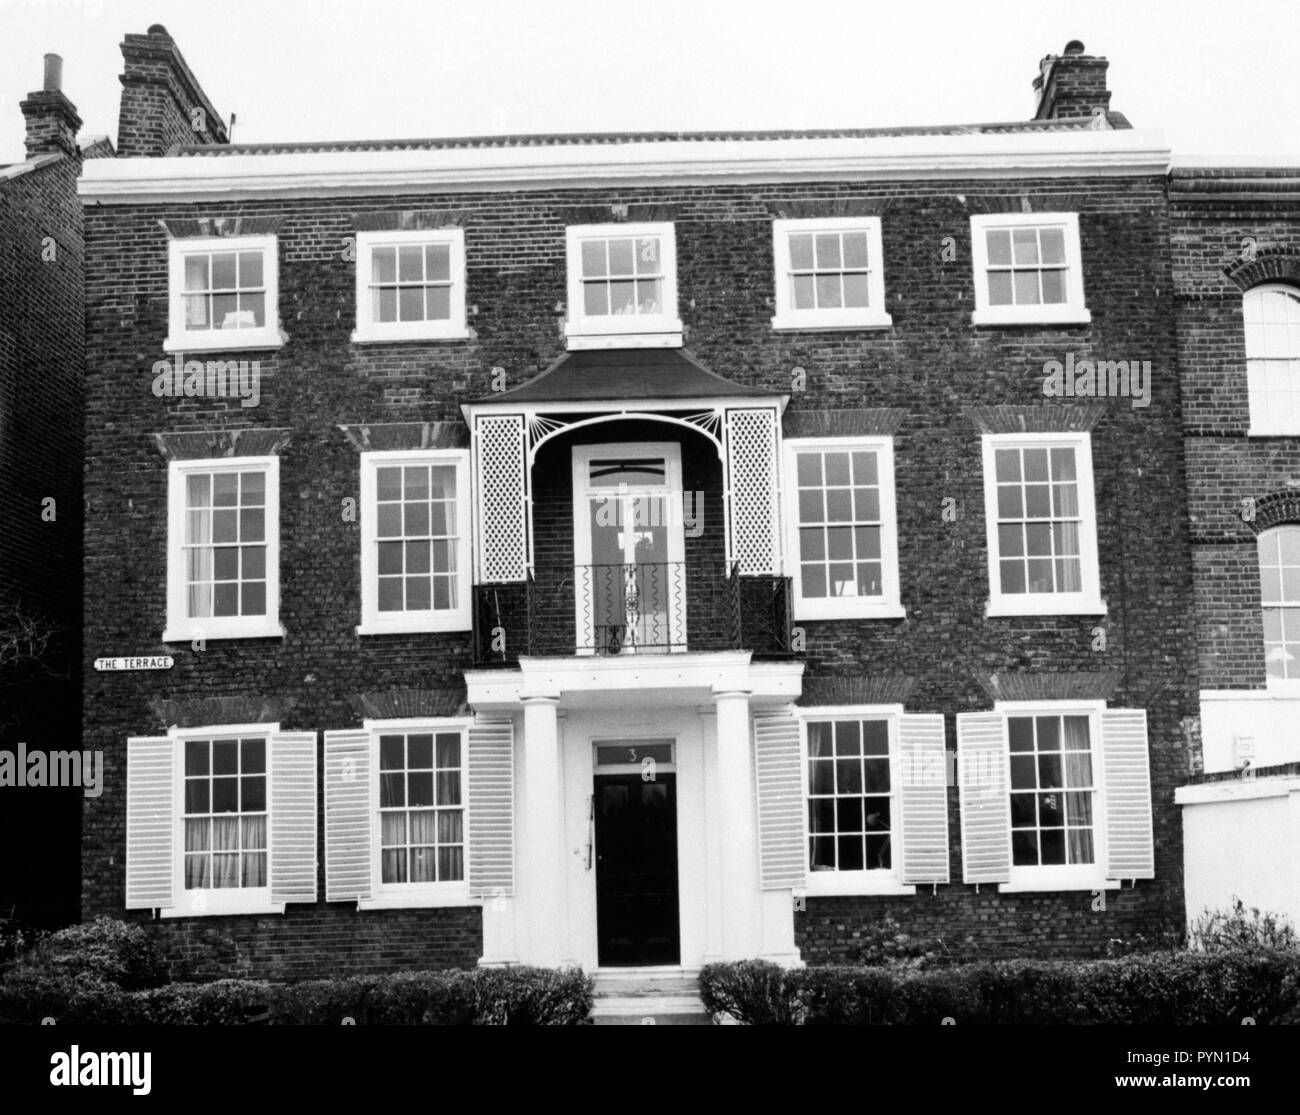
<point x="1221" y="221"/>
<point x="41" y="360"/>
<point x="932" y="363"/>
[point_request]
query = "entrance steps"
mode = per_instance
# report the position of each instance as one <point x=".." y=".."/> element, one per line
<point x="667" y="996"/>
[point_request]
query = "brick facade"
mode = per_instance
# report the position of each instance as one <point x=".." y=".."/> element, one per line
<point x="41" y="361"/>
<point x="932" y="366"/>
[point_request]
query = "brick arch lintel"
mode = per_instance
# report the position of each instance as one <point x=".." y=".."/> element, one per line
<point x="1275" y="510"/>
<point x="1270" y="265"/>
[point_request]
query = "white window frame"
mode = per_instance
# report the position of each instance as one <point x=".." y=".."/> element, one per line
<point x="221" y="340"/>
<point x="1073" y="311"/>
<point x="623" y="331"/>
<point x="1285" y="686"/>
<point x="454" y="328"/>
<point x="181" y="627"/>
<point x="1088" y="601"/>
<point x="209" y="901"/>
<point x="1066" y="877"/>
<point x="889" y="604"/>
<point x="393" y="896"/>
<point x="878" y="881"/>
<point x="1260" y="425"/>
<point x="872" y="316"/>
<point x="375" y="622"/>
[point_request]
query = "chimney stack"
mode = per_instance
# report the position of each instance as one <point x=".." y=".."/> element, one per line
<point x="52" y="120"/>
<point x="1071" y="84"/>
<point x="163" y="104"/>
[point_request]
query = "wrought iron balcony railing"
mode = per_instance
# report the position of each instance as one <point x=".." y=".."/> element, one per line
<point x="645" y="608"/>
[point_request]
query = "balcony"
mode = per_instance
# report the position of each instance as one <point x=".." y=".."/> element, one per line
<point x="642" y="608"/>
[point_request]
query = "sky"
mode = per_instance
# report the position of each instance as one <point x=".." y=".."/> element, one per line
<point x="1218" y="78"/>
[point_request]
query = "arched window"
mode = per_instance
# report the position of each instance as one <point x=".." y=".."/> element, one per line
<point x="1279" y="582"/>
<point x="1272" y="319"/>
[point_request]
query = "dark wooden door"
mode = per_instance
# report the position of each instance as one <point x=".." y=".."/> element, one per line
<point x="636" y="870"/>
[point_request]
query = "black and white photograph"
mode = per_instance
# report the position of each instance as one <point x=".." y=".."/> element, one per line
<point x="695" y="514"/>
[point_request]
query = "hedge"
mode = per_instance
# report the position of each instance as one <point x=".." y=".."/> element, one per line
<point x="485" y="997"/>
<point x="1182" y="988"/>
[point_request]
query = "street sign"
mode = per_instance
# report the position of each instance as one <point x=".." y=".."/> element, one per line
<point x="150" y="662"/>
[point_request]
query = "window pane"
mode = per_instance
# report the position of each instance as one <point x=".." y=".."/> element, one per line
<point x="805" y="292"/>
<point x="1052" y="241"/>
<point x="437" y="262"/>
<point x="828" y="251"/>
<point x="1025" y="244"/>
<point x="855" y="290"/>
<point x="410" y="263"/>
<point x="250" y="270"/>
<point x="999" y="288"/>
<point x="223" y="271"/>
<point x="620" y="257"/>
<point x="1026" y="286"/>
<point x="998" y="243"/>
<point x="801" y="251"/>
<point x="383" y="265"/>
<point x="855" y="249"/>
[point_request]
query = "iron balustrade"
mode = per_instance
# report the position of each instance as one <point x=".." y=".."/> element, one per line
<point x="635" y="608"/>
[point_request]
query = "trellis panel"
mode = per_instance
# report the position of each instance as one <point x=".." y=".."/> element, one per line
<point x="501" y="499"/>
<point x="753" y="490"/>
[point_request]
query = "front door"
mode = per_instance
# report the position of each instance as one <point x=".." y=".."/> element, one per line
<point x="630" y="573"/>
<point x="636" y="869"/>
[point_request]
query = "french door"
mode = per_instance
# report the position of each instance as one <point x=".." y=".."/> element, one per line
<point x="629" y="550"/>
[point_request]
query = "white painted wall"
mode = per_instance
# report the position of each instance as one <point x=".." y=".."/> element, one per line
<point x="1268" y="717"/>
<point x="1240" y="840"/>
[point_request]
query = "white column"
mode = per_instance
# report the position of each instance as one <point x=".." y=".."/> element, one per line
<point x="738" y="820"/>
<point x="713" y="902"/>
<point x="541" y="836"/>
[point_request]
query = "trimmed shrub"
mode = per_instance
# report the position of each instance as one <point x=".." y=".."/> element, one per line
<point x="532" y="997"/>
<point x="115" y="953"/>
<point x="487" y="997"/>
<point x="407" y="999"/>
<point x="754" y="992"/>
<point x="1178" y="989"/>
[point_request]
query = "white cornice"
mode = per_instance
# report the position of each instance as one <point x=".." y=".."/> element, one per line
<point x="1090" y="153"/>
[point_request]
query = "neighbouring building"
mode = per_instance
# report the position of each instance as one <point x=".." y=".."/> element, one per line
<point x="1236" y="257"/>
<point x="634" y="550"/>
<point x="41" y="359"/>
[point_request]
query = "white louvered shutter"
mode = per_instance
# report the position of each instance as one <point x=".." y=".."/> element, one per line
<point x="1130" y="849"/>
<point x="491" y="774"/>
<point x="985" y="808"/>
<point x="150" y="822"/>
<point x="293" y="817"/>
<point x="349" y="815"/>
<point x="923" y="799"/>
<point x="778" y="759"/>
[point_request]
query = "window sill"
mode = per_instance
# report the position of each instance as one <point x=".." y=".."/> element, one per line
<point x="1051" y="886"/>
<point x="224" y="907"/>
<point x="844" y="609"/>
<point x="829" y="884"/>
<point x="792" y="322"/>
<point x="588" y="341"/>
<point x="421" y="625"/>
<point x="270" y="630"/>
<point x="226" y="341"/>
<point x="382" y="337"/>
<point x="1089" y="606"/>
<point x="424" y="900"/>
<point x="1063" y="316"/>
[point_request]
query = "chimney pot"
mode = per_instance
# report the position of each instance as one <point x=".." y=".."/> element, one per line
<point x="53" y="73"/>
<point x="1074" y="46"/>
<point x="159" y="30"/>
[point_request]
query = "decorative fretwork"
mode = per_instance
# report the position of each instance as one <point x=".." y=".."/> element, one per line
<point x="501" y="480"/>
<point x="752" y="489"/>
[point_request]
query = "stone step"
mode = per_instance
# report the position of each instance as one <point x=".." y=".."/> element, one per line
<point x="700" y="1019"/>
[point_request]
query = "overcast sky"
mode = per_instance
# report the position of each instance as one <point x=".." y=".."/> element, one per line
<point x="1218" y="78"/>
